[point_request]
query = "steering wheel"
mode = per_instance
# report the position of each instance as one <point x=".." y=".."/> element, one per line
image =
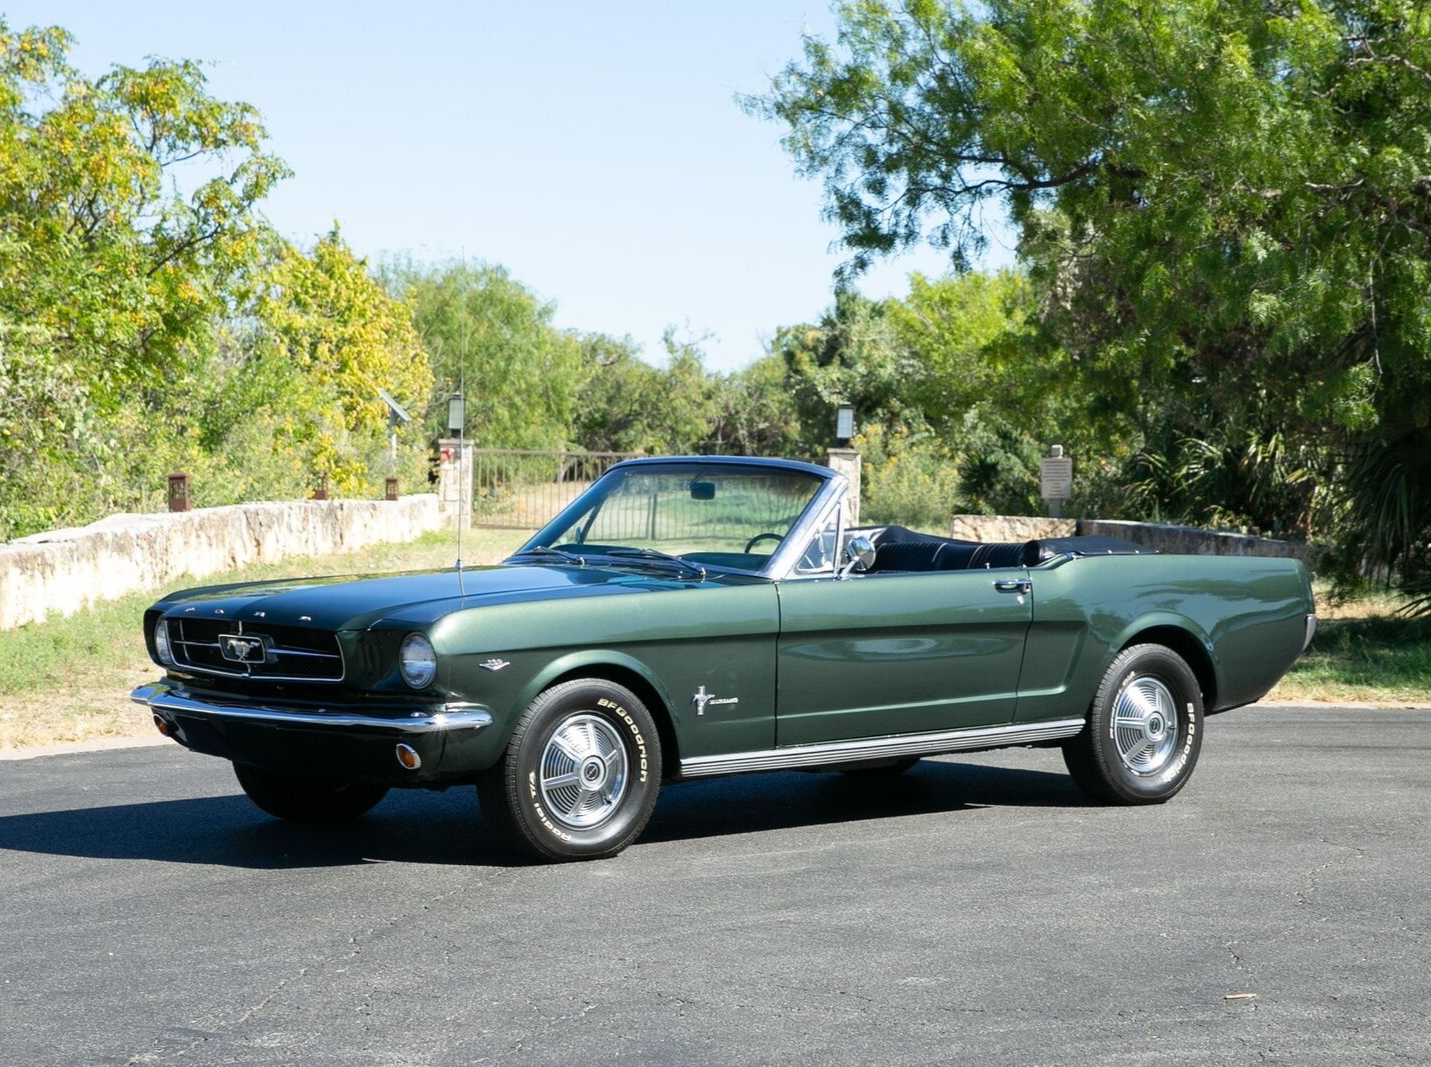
<point x="777" y="538"/>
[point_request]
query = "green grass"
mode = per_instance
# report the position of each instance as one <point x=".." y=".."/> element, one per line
<point x="1378" y="657"/>
<point x="68" y="679"/>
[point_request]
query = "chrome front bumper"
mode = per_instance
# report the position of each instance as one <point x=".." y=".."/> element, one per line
<point x="167" y="700"/>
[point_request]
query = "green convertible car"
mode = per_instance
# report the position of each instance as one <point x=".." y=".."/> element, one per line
<point x="703" y="616"/>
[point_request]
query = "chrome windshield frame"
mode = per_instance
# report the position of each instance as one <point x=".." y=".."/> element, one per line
<point x="783" y="560"/>
<point x="828" y="503"/>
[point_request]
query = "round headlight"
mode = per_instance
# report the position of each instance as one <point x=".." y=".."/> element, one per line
<point x="161" y="642"/>
<point x="417" y="661"/>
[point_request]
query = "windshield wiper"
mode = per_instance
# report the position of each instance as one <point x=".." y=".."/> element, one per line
<point x="657" y="556"/>
<point x="560" y="554"/>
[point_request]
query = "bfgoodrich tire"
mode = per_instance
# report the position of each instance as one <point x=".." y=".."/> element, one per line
<point x="580" y="775"/>
<point x="1144" y="730"/>
<point x="303" y="799"/>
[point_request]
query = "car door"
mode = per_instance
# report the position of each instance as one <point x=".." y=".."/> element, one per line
<point x="896" y="653"/>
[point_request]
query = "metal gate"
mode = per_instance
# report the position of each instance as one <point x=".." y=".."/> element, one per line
<point x="523" y="488"/>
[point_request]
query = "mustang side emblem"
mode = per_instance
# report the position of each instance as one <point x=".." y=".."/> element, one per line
<point x="242" y="648"/>
<point x="702" y="698"/>
<point x="494" y="664"/>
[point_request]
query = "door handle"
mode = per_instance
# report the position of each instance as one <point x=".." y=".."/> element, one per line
<point x="1021" y="586"/>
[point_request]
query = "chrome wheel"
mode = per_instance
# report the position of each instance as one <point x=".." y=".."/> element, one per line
<point x="1145" y="725"/>
<point x="583" y="773"/>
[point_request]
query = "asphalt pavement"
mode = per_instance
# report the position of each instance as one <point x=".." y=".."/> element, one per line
<point x="977" y="910"/>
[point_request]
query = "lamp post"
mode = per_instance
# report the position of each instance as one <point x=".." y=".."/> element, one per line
<point x="456" y="423"/>
<point x="841" y="457"/>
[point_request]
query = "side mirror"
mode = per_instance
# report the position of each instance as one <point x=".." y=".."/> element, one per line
<point x="860" y="556"/>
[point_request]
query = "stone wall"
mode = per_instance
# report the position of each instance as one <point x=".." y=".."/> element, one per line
<point x="62" y="571"/>
<point x="1189" y="540"/>
<point x="1008" y="528"/>
<point x="1174" y="540"/>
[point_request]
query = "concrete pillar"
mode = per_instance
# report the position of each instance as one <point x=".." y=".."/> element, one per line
<point x="454" y="481"/>
<point x="847" y="461"/>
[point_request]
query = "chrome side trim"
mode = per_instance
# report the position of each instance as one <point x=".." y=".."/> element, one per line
<point x="930" y="744"/>
<point x="453" y="716"/>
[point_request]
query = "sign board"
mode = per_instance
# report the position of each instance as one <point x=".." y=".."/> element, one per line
<point x="1055" y="477"/>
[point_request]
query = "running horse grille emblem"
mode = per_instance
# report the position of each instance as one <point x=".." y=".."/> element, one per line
<point x="242" y="648"/>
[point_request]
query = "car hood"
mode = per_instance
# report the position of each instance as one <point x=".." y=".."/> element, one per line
<point x="357" y="602"/>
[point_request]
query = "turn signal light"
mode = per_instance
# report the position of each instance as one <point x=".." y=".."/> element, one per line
<point x="161" y="725"/>
<point x="408" y="757"/>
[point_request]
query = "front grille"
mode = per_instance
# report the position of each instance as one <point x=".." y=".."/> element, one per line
<point x="290" y="653"/>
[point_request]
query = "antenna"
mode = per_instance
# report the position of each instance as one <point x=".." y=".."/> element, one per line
<point x="456" y="420"/>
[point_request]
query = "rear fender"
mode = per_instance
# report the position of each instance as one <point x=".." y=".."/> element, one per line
<point x="1168" y="620"/>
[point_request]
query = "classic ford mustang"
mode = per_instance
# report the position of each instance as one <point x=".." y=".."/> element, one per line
<point x="701" y="616"/>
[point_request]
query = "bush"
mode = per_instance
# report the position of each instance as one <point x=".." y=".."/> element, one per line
<point x="907" y="480"/>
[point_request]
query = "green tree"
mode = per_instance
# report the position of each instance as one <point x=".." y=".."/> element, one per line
<point x="967" y="338"/>
<point x="479" y="323"/>
<point x="1224" y="208"/>
<point x="757" y="414"/>
<point x="96" y="249"/>
<point x="327" y="338"/>
<point x="112" y="282"/>
<point x="626" y="404"/>
<point x="851" y="356"/>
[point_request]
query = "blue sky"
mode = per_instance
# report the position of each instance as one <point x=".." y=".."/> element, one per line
<point x="592" y="148"/>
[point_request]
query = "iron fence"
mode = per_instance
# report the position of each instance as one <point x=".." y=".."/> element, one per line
<point x="523" y="488"/>
<point x="662" y="508"/>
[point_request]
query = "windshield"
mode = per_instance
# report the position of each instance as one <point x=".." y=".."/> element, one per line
<point x="708" y="514"/>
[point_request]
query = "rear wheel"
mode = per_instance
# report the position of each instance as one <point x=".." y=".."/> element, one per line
<point x="580" y="775"/>
<point x="305" y="799"/>
<point x="1144" y="730"/>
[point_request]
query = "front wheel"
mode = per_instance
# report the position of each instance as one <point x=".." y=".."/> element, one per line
<point x="580" y="775"/>
<point x="1144" y="730"/>
<point x="303" y="799"/>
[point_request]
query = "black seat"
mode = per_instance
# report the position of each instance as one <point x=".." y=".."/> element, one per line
<point x="1003" y="554"/>
<point x="900" y="549"/>
<point x="932" y="555"/>
<point x="909" y="556"/>
<point x="927" y="555"/>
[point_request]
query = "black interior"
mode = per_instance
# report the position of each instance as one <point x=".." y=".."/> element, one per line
<point x="903" y="550"/>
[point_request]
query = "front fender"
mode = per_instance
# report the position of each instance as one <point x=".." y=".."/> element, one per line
<point x="572" y="662"/>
